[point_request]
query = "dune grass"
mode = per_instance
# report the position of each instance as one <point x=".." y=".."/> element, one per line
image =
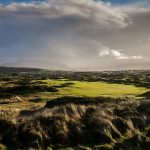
<point x="82" y="124"/>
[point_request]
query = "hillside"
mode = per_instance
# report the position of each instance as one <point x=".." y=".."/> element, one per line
<point x="18" y="70"/>
<point x="83" y="124"/>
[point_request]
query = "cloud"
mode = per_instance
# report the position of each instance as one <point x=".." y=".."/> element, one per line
<point x="52" y="30"/>
<point x="73" y="32"/>
<point x="137" y="57"/>
<point x="98" y="14"/>
<point x="117" y="54"/>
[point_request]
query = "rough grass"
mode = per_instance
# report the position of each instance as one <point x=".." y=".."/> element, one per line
<point x="108" y="124"/>
<point x="146" y="94"/>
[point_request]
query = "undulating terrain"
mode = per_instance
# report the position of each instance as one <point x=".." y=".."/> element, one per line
<point x="74" y="74"/>
<point x="43" y="109"/>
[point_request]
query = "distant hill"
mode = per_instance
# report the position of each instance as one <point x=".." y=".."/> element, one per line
<point x="134" y="66"/>
<point x="31" y="63"/>
<point x="18" y="70"/>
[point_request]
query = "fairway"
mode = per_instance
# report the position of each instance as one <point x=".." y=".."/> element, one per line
<point x="82" y="88"/>
<point x="101" y="89"/>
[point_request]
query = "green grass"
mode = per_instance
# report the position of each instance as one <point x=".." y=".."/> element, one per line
<point x="101" y="89"/>
<point x="82" y="88"/>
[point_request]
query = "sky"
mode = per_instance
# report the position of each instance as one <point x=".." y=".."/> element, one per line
<point x="75" y="35"/>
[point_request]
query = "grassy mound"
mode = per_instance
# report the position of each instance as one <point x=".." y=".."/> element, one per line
<point x="147" y="94"/>
<point x="86" y="100"/>
<point x="5" y="95"/>
<point x="29" y="89"/>
<point x="10" y="99"/>
<point x="95" y="123"/>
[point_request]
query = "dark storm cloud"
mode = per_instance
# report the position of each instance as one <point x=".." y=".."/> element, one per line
<point x="72" y="32"/>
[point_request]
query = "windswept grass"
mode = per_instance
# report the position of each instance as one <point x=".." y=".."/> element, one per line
<point x="118" y="124"/>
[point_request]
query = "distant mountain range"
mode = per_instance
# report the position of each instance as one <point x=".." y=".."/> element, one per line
<point x="18" y="70"/>
<point x="30" y="63"/>
<point x="116" y="67"/>
<point x="134" y="66"/>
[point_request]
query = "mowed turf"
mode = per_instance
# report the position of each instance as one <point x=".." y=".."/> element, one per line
<point x="82" y="88"/>
<point x="101" y="89"/>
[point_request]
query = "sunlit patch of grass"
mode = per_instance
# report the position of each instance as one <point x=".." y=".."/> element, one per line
<point x="79" y="88"/>
<point x="2" y="82"/>
<point x="101" y="89"/>
<point x="82" y="88"/>
<point x="51" y="82"/>
<point x="3" y="147"/>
